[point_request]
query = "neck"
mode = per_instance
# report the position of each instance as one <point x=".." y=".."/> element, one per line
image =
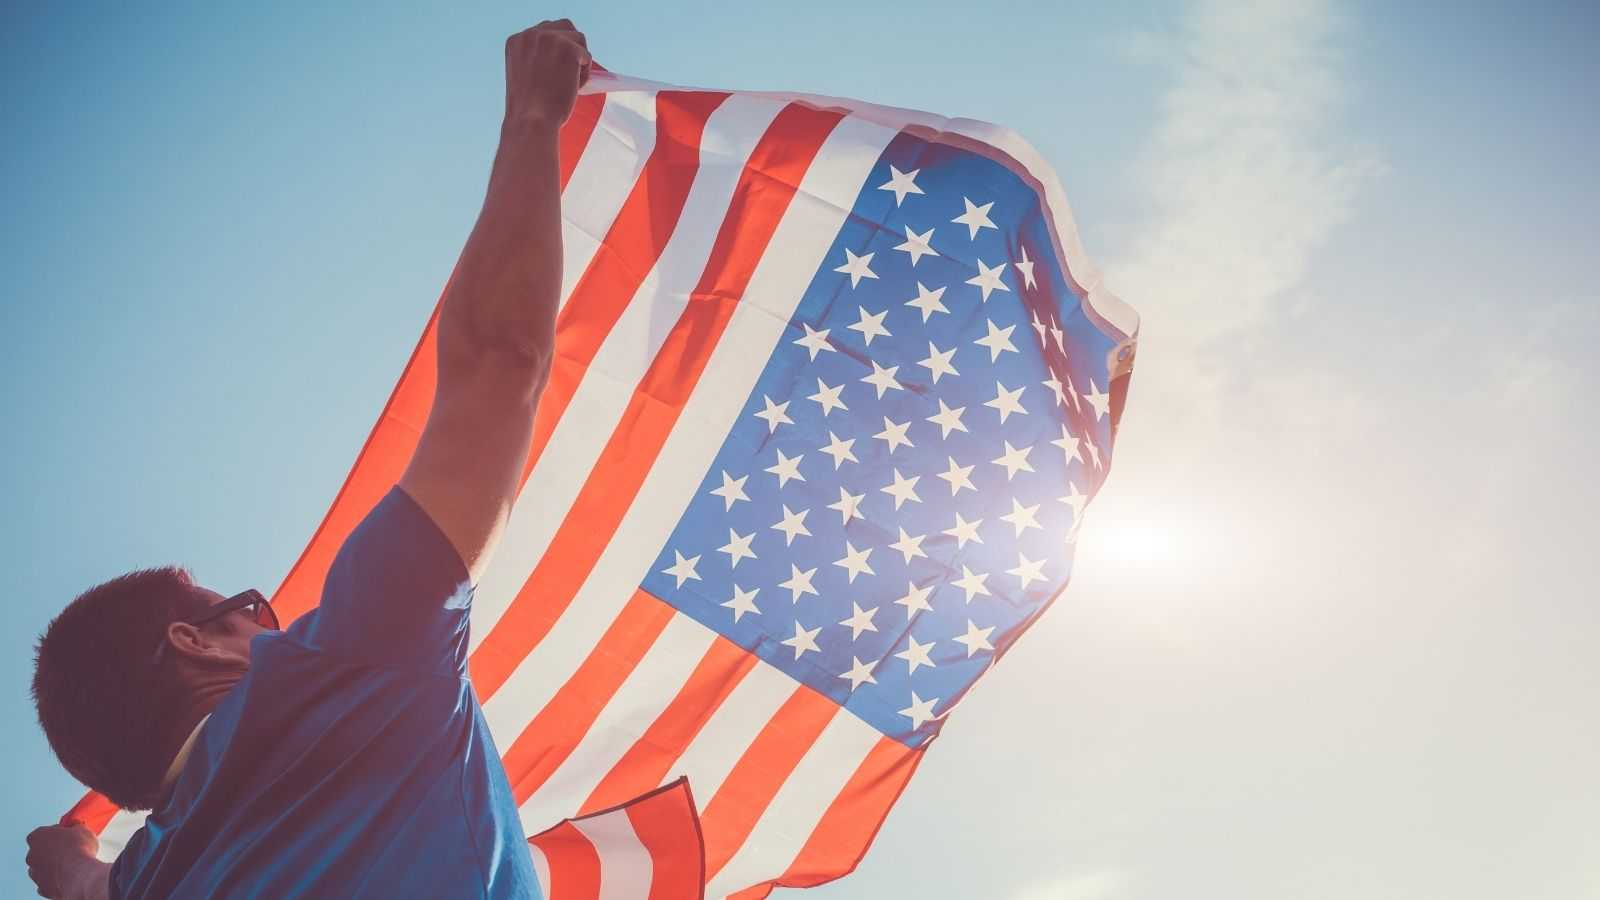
<point x="205" y="691"/>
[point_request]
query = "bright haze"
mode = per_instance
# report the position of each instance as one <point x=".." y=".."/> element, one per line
<point x="1332" y="630"/>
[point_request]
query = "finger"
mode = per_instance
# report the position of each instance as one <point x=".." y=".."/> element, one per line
<point x="558" y="24"/>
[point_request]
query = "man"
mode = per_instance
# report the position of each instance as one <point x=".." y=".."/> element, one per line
<point x="348" y="755"/>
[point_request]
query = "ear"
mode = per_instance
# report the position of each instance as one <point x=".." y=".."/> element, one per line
<point x="187" y="642"/>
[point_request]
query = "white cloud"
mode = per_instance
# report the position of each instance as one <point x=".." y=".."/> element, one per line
<point x="1104" y="884"/>
<point x="1245" y="176"/>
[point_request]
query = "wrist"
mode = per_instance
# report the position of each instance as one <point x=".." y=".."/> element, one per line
<point x="528" y="129"/>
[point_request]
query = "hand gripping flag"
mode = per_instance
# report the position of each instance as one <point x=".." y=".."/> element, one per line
<point x="833" y="383"/>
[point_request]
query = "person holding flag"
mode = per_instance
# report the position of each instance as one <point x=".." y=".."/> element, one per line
<point x="346" y="756"/>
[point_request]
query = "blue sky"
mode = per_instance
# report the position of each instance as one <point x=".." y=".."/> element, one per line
<point x="1329" y="633"/>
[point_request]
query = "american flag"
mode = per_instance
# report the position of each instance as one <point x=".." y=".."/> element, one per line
<point x="833" y="385"/>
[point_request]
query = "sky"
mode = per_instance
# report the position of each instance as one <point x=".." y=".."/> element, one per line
<point x="1328" y="634"/>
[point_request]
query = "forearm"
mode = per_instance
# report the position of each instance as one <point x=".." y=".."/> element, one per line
<point x="504" y="293"/>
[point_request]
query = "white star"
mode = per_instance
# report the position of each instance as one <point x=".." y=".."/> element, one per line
<point x="916" y="654"/>
<point x="814" y="340"/>
<point x="916" y="598"/>
<point x="928" y="301"/>
<point x="971" y="582"/>
<point x="909" y="546"/>
<point x="1072" y="394"/>
<point x="1006" y="402"/>
<point x="1056" y="333"/>
<point x="683" y="569"/>
<point x="948" y="419"/>
<point x="882" y="379"/>
<point x="856" y="267"/>
<point x="988" y="280"/>
<point x="901" y="183"/>
<point x="743" y="602"/>
<point x="804" y="639"/>
<point x="1026" y="268"/>
<point x="1014" y="460"/>
<point x="1075" y="500"/>
<point x="958" y="476"/>
<point x="1100" y="402"/>
<point x="938" y="362"/>
<point x="976" y="638"/>
<point x="774" y="414"/>
<point x="847" y="505"/>
<point x="1094" y="451"/>
<point x="1038" y="325"/>
<point x="732" y="490"/>
<point x="839" y="450"/>
<point x="894" y="434"/>
<point x="860" y="620"/>
<point x="1028" y="570"/>
<point x="859" y="672"/>
<point x="793" y="523"/>
<point x="738" y="547"/>
<point x="828" y="397"/>
<point x="854" y="562"/>
<point x="786" y="468"/>
<point x="964" y="531"/>
<point x="1068" y="445"/>
<point x="1055" y="387"/>
<point x="903" y="489"/>
<point x="1022" y="517"/>
<point x="799" y="582"/>
<point x="920" y="710"/>
<point x="870" y="325"/>
<point x="998" y="340"/>
<point x="975" y="218"/>
<point x="917" y="245"/>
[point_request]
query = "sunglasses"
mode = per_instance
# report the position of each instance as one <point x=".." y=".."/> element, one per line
<point x="251" y="601"/>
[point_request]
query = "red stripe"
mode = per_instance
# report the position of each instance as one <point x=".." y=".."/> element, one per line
<point x="93" y="812"/>
<point x="574" y="862"/>
<point x="576" y="132"/>
<point x="666" y="825"/>
<point x="549" y="739"/>
<point x="847" y="829"/>
<point x="761" y="197"/>
<point x="760" y="772"/>
<point x="656" y="751"/>
<point x="629" y="251"/>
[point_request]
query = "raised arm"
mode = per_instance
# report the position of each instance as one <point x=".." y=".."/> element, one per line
<point x="497" y="326"/>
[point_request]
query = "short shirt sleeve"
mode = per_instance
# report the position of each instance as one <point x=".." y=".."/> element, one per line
<point x="397" y="594"/>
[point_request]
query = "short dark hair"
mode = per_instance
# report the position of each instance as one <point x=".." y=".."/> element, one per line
<point x="104" y="707"/>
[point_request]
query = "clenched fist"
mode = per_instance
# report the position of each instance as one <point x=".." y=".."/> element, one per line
<point x="545" y="67"/>
<point x="62" y="863"/>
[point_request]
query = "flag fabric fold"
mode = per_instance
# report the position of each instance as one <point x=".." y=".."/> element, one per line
<point x="833" y="386"/>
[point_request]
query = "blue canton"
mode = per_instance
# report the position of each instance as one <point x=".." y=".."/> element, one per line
<point x="898" y="500"/>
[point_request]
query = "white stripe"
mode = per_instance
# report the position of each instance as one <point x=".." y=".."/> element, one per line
<point x="641" y="698"/>
<point x="541" y="869"/>
<point x="804" y="235"/>
<point x="625" y="864"/>
<point x="600" y="184"/>
<point x="1101" y="300"/>
<point x="601" y="397"/>
<point x="117" y="833"/>
<point x="732" y="729"/>
<point x="598" y="404"/>
<point x="623" y="139"/>
<point x="799" y="804"/>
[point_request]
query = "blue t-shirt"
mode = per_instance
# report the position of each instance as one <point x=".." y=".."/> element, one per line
<point x="353" y="759"/>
